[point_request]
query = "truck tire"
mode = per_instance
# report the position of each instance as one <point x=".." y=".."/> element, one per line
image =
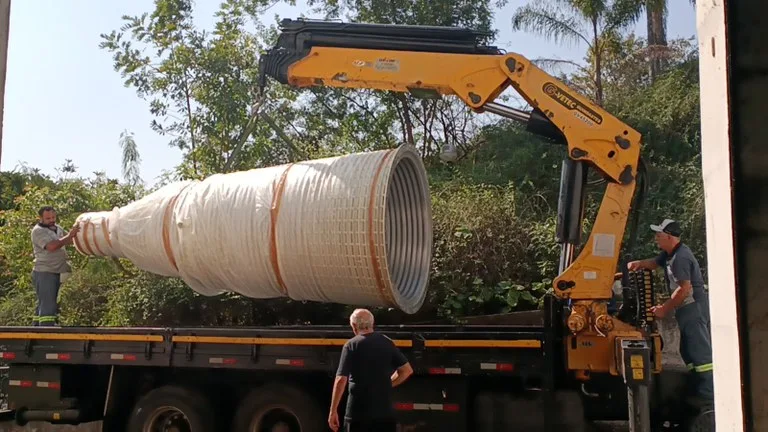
<point x="183" y="407"/>
<point x="279" y="408"/>
<point x="703" y="422"/>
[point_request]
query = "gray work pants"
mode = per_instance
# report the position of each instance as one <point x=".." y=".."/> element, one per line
<point x="47" y="289"/>
<point x="696" y="345"/>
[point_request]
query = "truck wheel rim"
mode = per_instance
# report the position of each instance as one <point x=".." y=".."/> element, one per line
<point x="167" y="419"/>
<point x="275" y="419"/>
<point x="704" y="422"/>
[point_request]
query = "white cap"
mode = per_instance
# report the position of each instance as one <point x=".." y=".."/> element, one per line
<point x="668" y="226"/>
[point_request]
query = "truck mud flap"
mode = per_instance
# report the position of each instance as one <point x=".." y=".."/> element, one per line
<point x="35" y="394"/>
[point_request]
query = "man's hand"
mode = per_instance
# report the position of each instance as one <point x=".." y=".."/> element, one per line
<point x="649" y="264"/>
<point x="660" y="311"/>
<point x="333" y="421"/>
<point x="73" y="232"/>
<point x="339" y="384"/>
<point x="70" y="237"/>
<point x="401" y="374"/>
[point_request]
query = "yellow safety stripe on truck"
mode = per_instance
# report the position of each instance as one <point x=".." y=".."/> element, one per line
<point x="269" y="341"/>
<point x="523" y="343"/>
<point x="84" y="337"/>
<point x="340" y="342"/>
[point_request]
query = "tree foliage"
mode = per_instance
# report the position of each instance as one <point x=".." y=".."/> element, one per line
<point x="494" y="209"/>
<point x="201" y="86"/>
<point x="430" y="125"/>
<point x="591" y="22"/>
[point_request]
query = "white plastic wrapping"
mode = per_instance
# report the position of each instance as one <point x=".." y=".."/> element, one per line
<point x="93" y="238"/>
<point x="354" y="229"/>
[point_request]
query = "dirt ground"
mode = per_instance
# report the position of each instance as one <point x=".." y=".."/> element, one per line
<point x="45" y="427"/>
<point x="96" y="427"/>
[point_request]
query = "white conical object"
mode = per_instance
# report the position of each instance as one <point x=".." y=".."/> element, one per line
<point x="353" y="229"/>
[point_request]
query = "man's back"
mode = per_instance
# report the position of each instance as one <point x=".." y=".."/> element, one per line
<point x="370" y="360"/>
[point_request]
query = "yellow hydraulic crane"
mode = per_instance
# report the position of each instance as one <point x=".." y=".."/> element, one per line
<point x="433" y="62"/>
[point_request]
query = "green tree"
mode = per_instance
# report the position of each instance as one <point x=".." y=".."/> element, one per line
<point x="70" y="195"/>
<point x="201" y="87"/>
<point x="656" y="22"/>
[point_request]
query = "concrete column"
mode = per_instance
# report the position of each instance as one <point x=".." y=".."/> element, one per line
<point x="5" y="23"/>
<point x="734" y="106"/>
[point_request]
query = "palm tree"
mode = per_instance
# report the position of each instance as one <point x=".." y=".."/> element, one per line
<point x="656" y="19"/>
<point x="580" y="21"/>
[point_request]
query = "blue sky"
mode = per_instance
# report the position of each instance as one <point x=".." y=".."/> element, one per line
<point x="64" y="100"/>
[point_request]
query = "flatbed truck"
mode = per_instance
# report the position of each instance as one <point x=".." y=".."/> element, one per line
<point x="480" y="378"/>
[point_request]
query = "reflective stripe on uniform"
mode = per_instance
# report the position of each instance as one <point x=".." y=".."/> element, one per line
<point x="704" y="368"/>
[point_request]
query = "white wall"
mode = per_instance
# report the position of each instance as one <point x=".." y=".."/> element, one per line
<point x="716" y="168"/>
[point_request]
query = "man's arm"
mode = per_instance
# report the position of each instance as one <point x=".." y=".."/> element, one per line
<point x="53" y="245"/>
<point x="401" y="374"/>
<point x="683" y="290"/>
<point x="681" y="269"/>
<point x="339" y="385"/>
<point x="649" y="263"/>
<point x="58" y="244"/>
<point x="403" y="369"/>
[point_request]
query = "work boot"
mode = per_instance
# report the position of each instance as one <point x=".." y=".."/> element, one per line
<point x="701" y="403"/>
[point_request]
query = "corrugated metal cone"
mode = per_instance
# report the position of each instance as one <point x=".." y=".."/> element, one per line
<point x="354" y="229"/>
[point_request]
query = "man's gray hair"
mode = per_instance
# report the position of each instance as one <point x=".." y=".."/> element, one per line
<point x="362" y="319"/>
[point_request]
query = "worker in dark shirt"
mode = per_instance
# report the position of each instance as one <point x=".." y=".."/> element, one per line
<point x="689" y="302"/>
<point x="373" y="365"/>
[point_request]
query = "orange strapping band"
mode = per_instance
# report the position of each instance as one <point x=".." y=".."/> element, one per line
<point x="78" y="246"/>
<point x="166" y="230"/>
<point x="96" y="243"/>
<point x="385" y="295"/>
<point x="274" y="211"/>
<point x="85" y="238"/>
<point x="105" y="230"/>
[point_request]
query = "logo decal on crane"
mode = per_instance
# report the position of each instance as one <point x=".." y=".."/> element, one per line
<point x="387" y="65"/>
<point x="582" y="111"/>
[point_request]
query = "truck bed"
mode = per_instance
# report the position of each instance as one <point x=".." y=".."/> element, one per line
<point x="432" y="349"/>
<point x="485" y="375"/>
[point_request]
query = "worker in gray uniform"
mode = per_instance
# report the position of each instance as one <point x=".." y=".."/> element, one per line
<point x="48" y="242"/>
<point x="689" y="302"/>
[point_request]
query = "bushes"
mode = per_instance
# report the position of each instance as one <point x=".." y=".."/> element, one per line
<point x="489" y="250"/>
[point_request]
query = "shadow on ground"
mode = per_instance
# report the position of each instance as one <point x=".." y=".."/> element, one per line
<point x="46" y="427"/>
